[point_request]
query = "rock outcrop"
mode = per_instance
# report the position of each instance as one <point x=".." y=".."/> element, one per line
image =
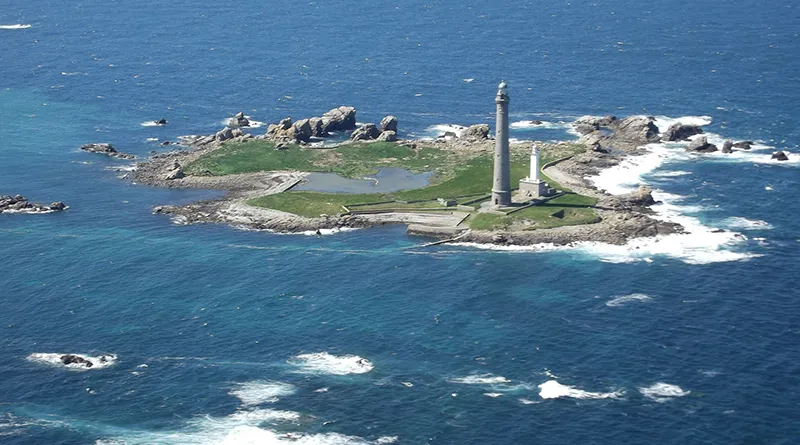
<point x="727" y="146"/>
<point x="106" y="149"/>
<point x="161" y="121"/>
<point x="744" y="145"/>
<point x="634" y="201"/>
<point x="239" y="120"/>
<point x="72" y="359"/>
<point x="681" y="132"/>
<point x="387" y="136"/>
<point x="701" y="145"/>
<point x="588" y="124"/>
<point x="286" y="131"/>
<point x="479" y="132"/>
<point x="389" y="123"/>
<point x="339" y="119"/>
<point x="20" y="204"/>
<point x="636" y="129"/>
<point x="366" y="132"/>
<point x="780" y="156"/>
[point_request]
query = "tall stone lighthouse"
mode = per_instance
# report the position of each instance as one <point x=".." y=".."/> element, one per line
<point x="501" y="188"/>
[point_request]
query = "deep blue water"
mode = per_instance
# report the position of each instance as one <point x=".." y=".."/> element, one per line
<point x="209" y="308"/>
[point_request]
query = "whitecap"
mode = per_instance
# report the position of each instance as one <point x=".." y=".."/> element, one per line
<point x="151" y="124"/>
<point x="469" y="80"/>
<point x="540" y="125"/>
<point x="441" y="129"/>
<point x="525" y="401"/>
<point x="325" y="363"/>
<point x="151" y="139"/>
<point x="738" y="222"/>
<point x="480" y="379"/>
<point x="493" y="395"/>
<point x="15" y="26"/>
<point x="664" y="122"/>
<point x="74" y="73"/>
<point x="662" y="392"/>
<point x="670" y="174"/>
<point x="54" y="359"/>
<point x="623" y="299"/>
<point x="551" y="389"/>
<point x="263" y="391"/>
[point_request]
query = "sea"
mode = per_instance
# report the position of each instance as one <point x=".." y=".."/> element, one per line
<point x="218" y="335"/>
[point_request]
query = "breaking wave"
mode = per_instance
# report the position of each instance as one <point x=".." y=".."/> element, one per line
<point x="16" y="26"/>
<point x="325" y="363"/>
<point x="662" y="392"/>
<point x="624" y="299"/>
<point x="259" y="392"/>
<point x="480" y="379"/>
<point x="551" y="389"/>
<point x="54" y="359"/>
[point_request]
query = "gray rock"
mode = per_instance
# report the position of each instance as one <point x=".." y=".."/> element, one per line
<point x="174" y="174"/>
<point x="239" y="120"/>
<point x="701" y="145"/>
<point x="317" y="129"/>
<point x="285" y="123"/>
<point x="727" y="146"/>
<point x="595" y="121"/>
<point x="479" y="132"/>
<point x="388" y="136"/>
<point x="585" y="128"/>
<point x="224" y="134"/>
<point x="744" y="145"/>
<point x="339" y="119"/>
<point x="780" y="156"/>
<point x="681" y="132"/>
<point x="636" y="129"/>
<point x="58" y="206"/>
<point x="389" y="123"/>
<point x="367" y="132"/>
<point x="303" y="131"/>
<point x="106" y="149"/>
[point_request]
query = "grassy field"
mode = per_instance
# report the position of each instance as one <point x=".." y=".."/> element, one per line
<point x="576" y="210"/>
<point x="457" y="175"/>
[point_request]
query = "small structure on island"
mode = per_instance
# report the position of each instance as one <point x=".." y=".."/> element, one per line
<point x="501" y="187"/>
<point x="533" y="186"/>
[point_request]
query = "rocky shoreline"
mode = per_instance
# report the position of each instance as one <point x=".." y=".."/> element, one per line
<point x="20" y="204"/>
<point x="609" y="141"/>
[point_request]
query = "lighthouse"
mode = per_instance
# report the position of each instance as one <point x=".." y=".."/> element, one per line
<point x="533" y="186"/>
<point x="501" y="187"/>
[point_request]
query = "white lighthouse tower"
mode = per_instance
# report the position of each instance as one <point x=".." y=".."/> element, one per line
<point x="533" y="186"/>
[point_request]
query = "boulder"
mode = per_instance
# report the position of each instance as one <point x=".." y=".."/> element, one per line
<point x="72" y="359"/>
<point x="285" y="123"/>
<point x="727" y="146"/>
<point x="744" y="145"/>
<point x="701" y="145"/>
<point x="317" y="129"/>
<point x="339" y="119"/>
<point x="636" y="129"/>
<point x="595" y="121"/>
<point x="389" y="123"/>
<point x="239" y="120"/>
<point x="57" y="206"/>
<point x="161" y="121"/>
<point x="585" y="128"/>
<point x="176" y="173"/>
<point x="302" y="130"/>
<point x="388" y="136"/>
<point x="224" y="134"/>
<point x="681" y="132"/>
<point x="367" y="132"/>
<point x="479" y="132"/>
<point x="780" y="156"/>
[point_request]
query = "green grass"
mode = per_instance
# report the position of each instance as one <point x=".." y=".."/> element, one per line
<point x="577" y="210"/>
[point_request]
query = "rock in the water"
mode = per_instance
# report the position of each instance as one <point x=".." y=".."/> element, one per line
<point x="636" y="129"/>
<point x="701" y="145"/>
<point x="389" y="123"/>
<point x="727" y="146"/>
<point x="367" y="132"/>
<point x="339" y="119"/>
<point x="780" y="156"/>
<point x="106" y="149"/>
<point x="239" y="120"/>
<point x="161" y="121"/>
<point x="479" y="132"/>
<point x="681" y="132"/>
<point x="57" y="206"/>
<point x="388" y="136"/>
<point x="744" y="145"/>
<point x="72" y="359"/>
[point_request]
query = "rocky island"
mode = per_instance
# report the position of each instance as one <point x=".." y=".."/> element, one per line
<point x="20" y="204"/>
<point x="264" y="176"/>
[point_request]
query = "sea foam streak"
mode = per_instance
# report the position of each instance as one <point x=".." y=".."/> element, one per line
<point x="258" y="392"/>
<point x="16" y="26"/>
<point x="54" y="359"/>
<point x="480" y="379"/>
<point x="662" y="392"/>
<point x="545" y="125"/>
<point x="551" y="389"/>
<point x="623" y="299"/>
<point x="325" y="363"/>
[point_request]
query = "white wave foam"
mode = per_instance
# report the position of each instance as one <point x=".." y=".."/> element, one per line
<point x="438" y="130"/>
<point x="541" y="125"/>
<point x="662" y="392"/>
<point x="623" y="299"/>
<point x="525" y="401"/>
<point x="151" y="124"/>
<point x="551" y="389"/>
<point x="670" y="174"/>
<point x="664" y="122"/>
<point x="54" y="359"/>
<point x="151" y="139"/>
<point x="258" y="392"/>
<point x="16" y="26"/>
<point x="253" y="123"/>
<point x="469" y="80"/>
<point x="325" y="363"/>
<point x="480" y="379"/>
<point x="493" y="395"/>
<point x="738" y="222"/>
<point x="75" y="73"/>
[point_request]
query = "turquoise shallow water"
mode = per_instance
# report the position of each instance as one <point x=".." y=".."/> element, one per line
<point x="667" y="344"/>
